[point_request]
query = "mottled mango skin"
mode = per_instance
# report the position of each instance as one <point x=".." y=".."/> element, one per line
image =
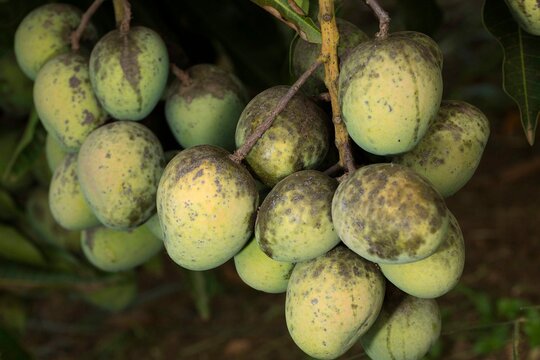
<point x="206" y="206"/>
<point x="297" y="139"/>
<point x="452" y="148"/>
<point x="404" y="330"/>
<point x="112" y="250"/>
<point x="207" y="109"/>
<point x="294" y="222"/>
<point x="66" y="200"/>
<point x="435" y="275"/>
<point x="54" y="152"/>
<point x="527" y="14"/>
<point x="387" y="213"/>
<point x="65" y="101"/>
<point x="261" y="272"/>
<point x="129" y="72"/>
<point x="45" y="32"/>
<point x="331" y="301"/>
<point x="426" y="41"/>
<point x="306" y="53"/>
<point x="15" y="87"/>
<point x="389" y="92"/>
<point x="119" y="166"/>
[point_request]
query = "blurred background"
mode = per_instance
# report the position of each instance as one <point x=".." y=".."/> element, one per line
<point x="66" y="310"/>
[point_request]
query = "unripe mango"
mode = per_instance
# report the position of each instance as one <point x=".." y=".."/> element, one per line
<point x="68" y="205"/>
<point x="15" y="87"/>
<point x="294" y="222"/>
<point x="119" y="166"/>
<point x="527" y="14"/>
<point x="435" y="275"/>
<point x="387" y="213"/>
<point x="46" y="32"/>
<point x="389" y="91"/>
<point x="450" y="152"/>
<point x="331" y="301"/>
<point x="206" y="205"/>
<point x="207" y="108"/>
<point x="53" y="152"/>
<point x="129" y="72"/>
<point x="155" y="227"/>
<point x="429" y="44"/>
<point x="297" y="139"/>
<point x="261" y="272"/>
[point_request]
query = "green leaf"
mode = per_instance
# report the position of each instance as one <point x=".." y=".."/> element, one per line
<point x="8" y="208"/>
<point x="521" y="66"/>
<point x="532" y="327"/>
<point x="304" y="26"/>
<point x="10" y="348"/>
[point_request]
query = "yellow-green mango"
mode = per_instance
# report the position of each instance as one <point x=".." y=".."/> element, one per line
<point x="113" y="250"/>
<point x="206" y="205"/>
<point x="15" y="87"/>
<point x="65" y="101"/>
<point x="15" y="247"/>
<point x="129" y="72"/>
<point x="294" y="222"/>
<point x="207" y="108"/>
<point x="261" y="272"/>
<point x="114" y="296"/>
<point x="331" y="301"/>
<point x="297" y="139"/>
<point x="435" y="275"/>
<point x="387" y="213"/>
<point x="389" y="91"/>
<point x="450" y="152"/>
<point x="405" y="330"/>
<point x="9" y="139"/>
<point x="46" y="32"/>
<point x="119" y="166"/>
<point x="68" y="205"/>
<point x="53" y="152"/>
<point x="527" y="14"/>
<point x="423" y="39"/>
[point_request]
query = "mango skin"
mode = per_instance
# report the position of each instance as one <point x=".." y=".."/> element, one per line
<point x="294" y="222"/>
<point x="387" y="213"/>
<point x="112" y="250"/>
<point x="403" y="331"/>
<point x="15" y="87"/>
<point x="66" y="200"/>
<point x="65" y="101"/>
<point x="527" y="14"/>
<point x="260" y="271"/>
<point x="206" y="110"/>
<point x="297" y="139"/>
<point x="45" y="32"/>
<point x="206" y="205"/>
<point x="129" y="72"/>
<point x="423" y="39"/>
<point x="154" y="226"/>
<point x="435" y="275"/>
<point x="389" y="93"/>
<point x="331" y="301"/>
<point x="452" y="148"/>
<point x="119" y="166"/>
<point x="54" y="152"/>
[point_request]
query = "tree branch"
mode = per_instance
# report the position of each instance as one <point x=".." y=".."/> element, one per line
<point x="384" y="18"/>
<point x="85" y="19"/>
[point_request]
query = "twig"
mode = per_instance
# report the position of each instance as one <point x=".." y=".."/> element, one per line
<point x="333" y="169"/>
<point x="243" y="150"/>
<point x="85" y="19"/>
<point x="122" y="14"/>
<point x="297" y="9"/>
<point x="322" y="97"/>
<point x="181" y="75"/>
<point x="384" y="18"/>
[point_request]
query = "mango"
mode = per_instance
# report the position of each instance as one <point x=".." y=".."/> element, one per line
<point x="435" y="275"/>
<point x="68" y="205"/>
<point x="129" y="72"/>
<point x="389" y="91"/>
<point x="119" y="166"/>
<point x="53" y="152"/>
<point x="155" y="227"/>
<point x="15" y="87"/>
<point x="260" y="271"/>
<point x="450" y="152"/>
<point x="46" y="32"/>
<point x="331" y="301"/>
<point x="405" y="330"/>
<point x="294" y="222"/>
<point x="297" y="139"/>
<point x="527" y="14"/>
<point x="112" y="250"/>
<point x="65" y="101"/>
<point x="429" y="44"/>
<point x="387" y="213"/>
<point x="206" y="110"/>
<point x="206" y="205"/>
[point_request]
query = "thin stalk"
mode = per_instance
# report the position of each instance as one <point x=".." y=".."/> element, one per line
<point x="85" y="20"/>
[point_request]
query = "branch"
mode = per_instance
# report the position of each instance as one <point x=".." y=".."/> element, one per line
<point x="384" y="18"/>
<point x="243" y="150"/>
<point x="181" y="75"/>
<point x="85" y="19"/>
<point x="333" y="169"/>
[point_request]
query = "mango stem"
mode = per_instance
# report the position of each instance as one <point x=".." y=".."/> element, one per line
<point x="122" y="15"/>
<point x="85" y="19"/>
<point x="382" y="15"/>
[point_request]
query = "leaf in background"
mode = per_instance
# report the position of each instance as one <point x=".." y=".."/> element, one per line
<point x="10" y="348"/>
<point x="304" y="26"/>
<point x="8" y="208"/>
<point x="521" y="66"/>
<point x="420" y="15"/>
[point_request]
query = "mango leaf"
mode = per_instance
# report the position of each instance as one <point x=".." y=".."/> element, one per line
<point x="304" y="26"/>
<point x="8" y="208"/>
<point x="521" y="66"/>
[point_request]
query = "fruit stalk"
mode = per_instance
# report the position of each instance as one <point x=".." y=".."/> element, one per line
<point x="330" y="40"/>
<point x="181" y="75"/>
<point x="76" y="35"/>
<point x="243" y="150"/>
<point x="384" y="18"/>
<point x="122" y="14"/>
